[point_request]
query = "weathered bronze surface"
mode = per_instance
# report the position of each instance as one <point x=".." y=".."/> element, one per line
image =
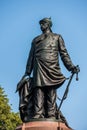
<point x="38" y="99"/>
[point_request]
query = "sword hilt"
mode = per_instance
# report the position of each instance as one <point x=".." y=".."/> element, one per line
<point x="78" y="70"/>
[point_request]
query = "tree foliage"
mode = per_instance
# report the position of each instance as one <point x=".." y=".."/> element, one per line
<point x="8" y="119"/>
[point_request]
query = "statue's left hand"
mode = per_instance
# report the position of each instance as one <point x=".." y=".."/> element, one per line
<point x="75" y="69"/>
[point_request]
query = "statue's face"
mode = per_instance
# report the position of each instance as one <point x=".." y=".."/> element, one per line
<point x="44" y="26"/>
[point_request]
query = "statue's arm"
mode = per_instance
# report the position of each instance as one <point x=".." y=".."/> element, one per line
<point x="29" y="65"/>
<point x="64" y="54"/>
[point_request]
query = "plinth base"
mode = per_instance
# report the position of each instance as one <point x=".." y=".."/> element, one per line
<point x="43" y="125"/>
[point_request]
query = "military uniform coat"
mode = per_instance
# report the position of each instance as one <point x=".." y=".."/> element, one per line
<point x="44" y="60"/>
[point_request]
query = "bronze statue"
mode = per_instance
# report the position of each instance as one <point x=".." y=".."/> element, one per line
<point x="39" y="101"/>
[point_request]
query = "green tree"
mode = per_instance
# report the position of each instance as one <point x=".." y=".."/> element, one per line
<point x="8" y="119"/>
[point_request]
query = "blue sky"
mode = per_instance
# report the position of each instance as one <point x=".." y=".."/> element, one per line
<point x="19" y="25"/>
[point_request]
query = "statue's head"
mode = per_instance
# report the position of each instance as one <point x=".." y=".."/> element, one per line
<point x="47" y="21"/>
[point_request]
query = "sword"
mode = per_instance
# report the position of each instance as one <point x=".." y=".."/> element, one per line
<point x="67" y="88"/>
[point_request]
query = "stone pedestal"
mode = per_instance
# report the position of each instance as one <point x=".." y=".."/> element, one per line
<point x="43" y="125"/>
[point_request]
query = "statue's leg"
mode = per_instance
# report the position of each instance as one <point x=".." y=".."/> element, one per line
<point x="38" y="100"/>
<point x="50" y="95"/>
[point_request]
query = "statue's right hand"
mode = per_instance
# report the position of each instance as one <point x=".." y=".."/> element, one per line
<point x="25" y="76"/>
<point x="22" y="81"/>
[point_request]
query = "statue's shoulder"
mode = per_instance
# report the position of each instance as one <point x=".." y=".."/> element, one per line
<point x="37" y="38"/>
<point x="55" y="35"/>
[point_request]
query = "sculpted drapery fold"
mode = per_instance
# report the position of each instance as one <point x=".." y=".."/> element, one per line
<point x="44" y="60"/>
